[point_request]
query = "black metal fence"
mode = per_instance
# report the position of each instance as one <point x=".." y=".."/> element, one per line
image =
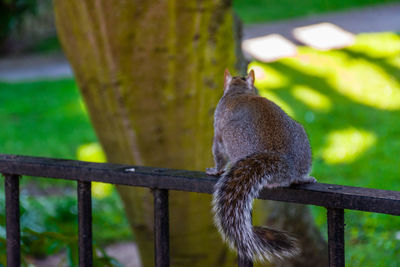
<point x="334" y="198"/>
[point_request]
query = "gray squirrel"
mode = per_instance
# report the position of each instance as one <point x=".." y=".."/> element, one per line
<point x="256" y="145"/>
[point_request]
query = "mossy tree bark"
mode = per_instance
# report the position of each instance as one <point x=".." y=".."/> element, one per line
<point x="150" y="73"/>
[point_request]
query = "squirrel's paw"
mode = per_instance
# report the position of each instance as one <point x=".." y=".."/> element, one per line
<point x="306" y="180"/>
<point x="214" y="172"/>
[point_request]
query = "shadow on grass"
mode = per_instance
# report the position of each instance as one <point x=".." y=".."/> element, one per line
<point x="381" y="62"/>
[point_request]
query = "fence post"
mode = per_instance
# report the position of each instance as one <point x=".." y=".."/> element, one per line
<point x="85" y="224"/>
<point x="336" y="237"/>
<point x="161" y="228"/>
<point x="13" y="234"/>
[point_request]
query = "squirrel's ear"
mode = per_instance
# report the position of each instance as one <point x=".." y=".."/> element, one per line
<point x="250" y="79"/>
<point x="227" y="79"/>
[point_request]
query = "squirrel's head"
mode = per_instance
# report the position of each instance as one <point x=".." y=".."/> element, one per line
<point x="239" y="84"/>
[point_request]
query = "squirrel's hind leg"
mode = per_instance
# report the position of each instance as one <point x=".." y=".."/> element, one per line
<point x="305" y="180"/>
<point x="221" y="159"/>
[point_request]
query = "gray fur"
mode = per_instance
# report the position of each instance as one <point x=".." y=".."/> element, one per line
<point x="266" y="148"/>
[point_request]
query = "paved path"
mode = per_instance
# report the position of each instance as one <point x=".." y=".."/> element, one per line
<point x="34" y="67"/>
<point x="379" y="18"/>
<point x="371" y="19"/>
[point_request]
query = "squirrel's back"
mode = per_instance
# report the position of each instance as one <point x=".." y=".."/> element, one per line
<point x="253" y="124"/>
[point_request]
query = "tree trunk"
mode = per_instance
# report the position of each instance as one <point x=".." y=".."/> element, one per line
<point x="297" y="220"/>
<point x="150" y="73"/>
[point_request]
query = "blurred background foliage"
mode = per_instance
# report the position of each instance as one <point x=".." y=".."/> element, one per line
<point x="347" y="99"/>
<point x="12" y="12"/>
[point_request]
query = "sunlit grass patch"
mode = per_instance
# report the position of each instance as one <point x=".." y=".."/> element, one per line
<point x="267" y="77"/>
<point x="356" y="72"/>
<point x="312" y="98"/>
<point x="368" y="84"/>
<point x="93" y="152"/>
<point x="386" y="45"/>
<point x="345" y="146"/>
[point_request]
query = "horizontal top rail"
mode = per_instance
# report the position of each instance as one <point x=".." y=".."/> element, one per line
<point x="327" y="195"/>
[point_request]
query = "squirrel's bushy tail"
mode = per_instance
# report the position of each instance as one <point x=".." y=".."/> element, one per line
<point x="232" y="204"/>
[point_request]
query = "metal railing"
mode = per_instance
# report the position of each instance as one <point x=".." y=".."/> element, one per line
<point x="335" y="198"/>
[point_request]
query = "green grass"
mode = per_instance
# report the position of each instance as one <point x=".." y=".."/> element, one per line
<point x="349" y="102"/>
<point x="45" y="118"/>
<point x="252" y="11"/>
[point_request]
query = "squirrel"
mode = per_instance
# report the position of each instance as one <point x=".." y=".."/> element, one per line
<point x="264" y="148"/>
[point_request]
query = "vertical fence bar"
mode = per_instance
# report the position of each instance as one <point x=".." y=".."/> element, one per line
<point x="13" y="235"/>
<point x="161" y="228"/>
<point x="336" y="237"/>
<point x="85" y="224"/>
